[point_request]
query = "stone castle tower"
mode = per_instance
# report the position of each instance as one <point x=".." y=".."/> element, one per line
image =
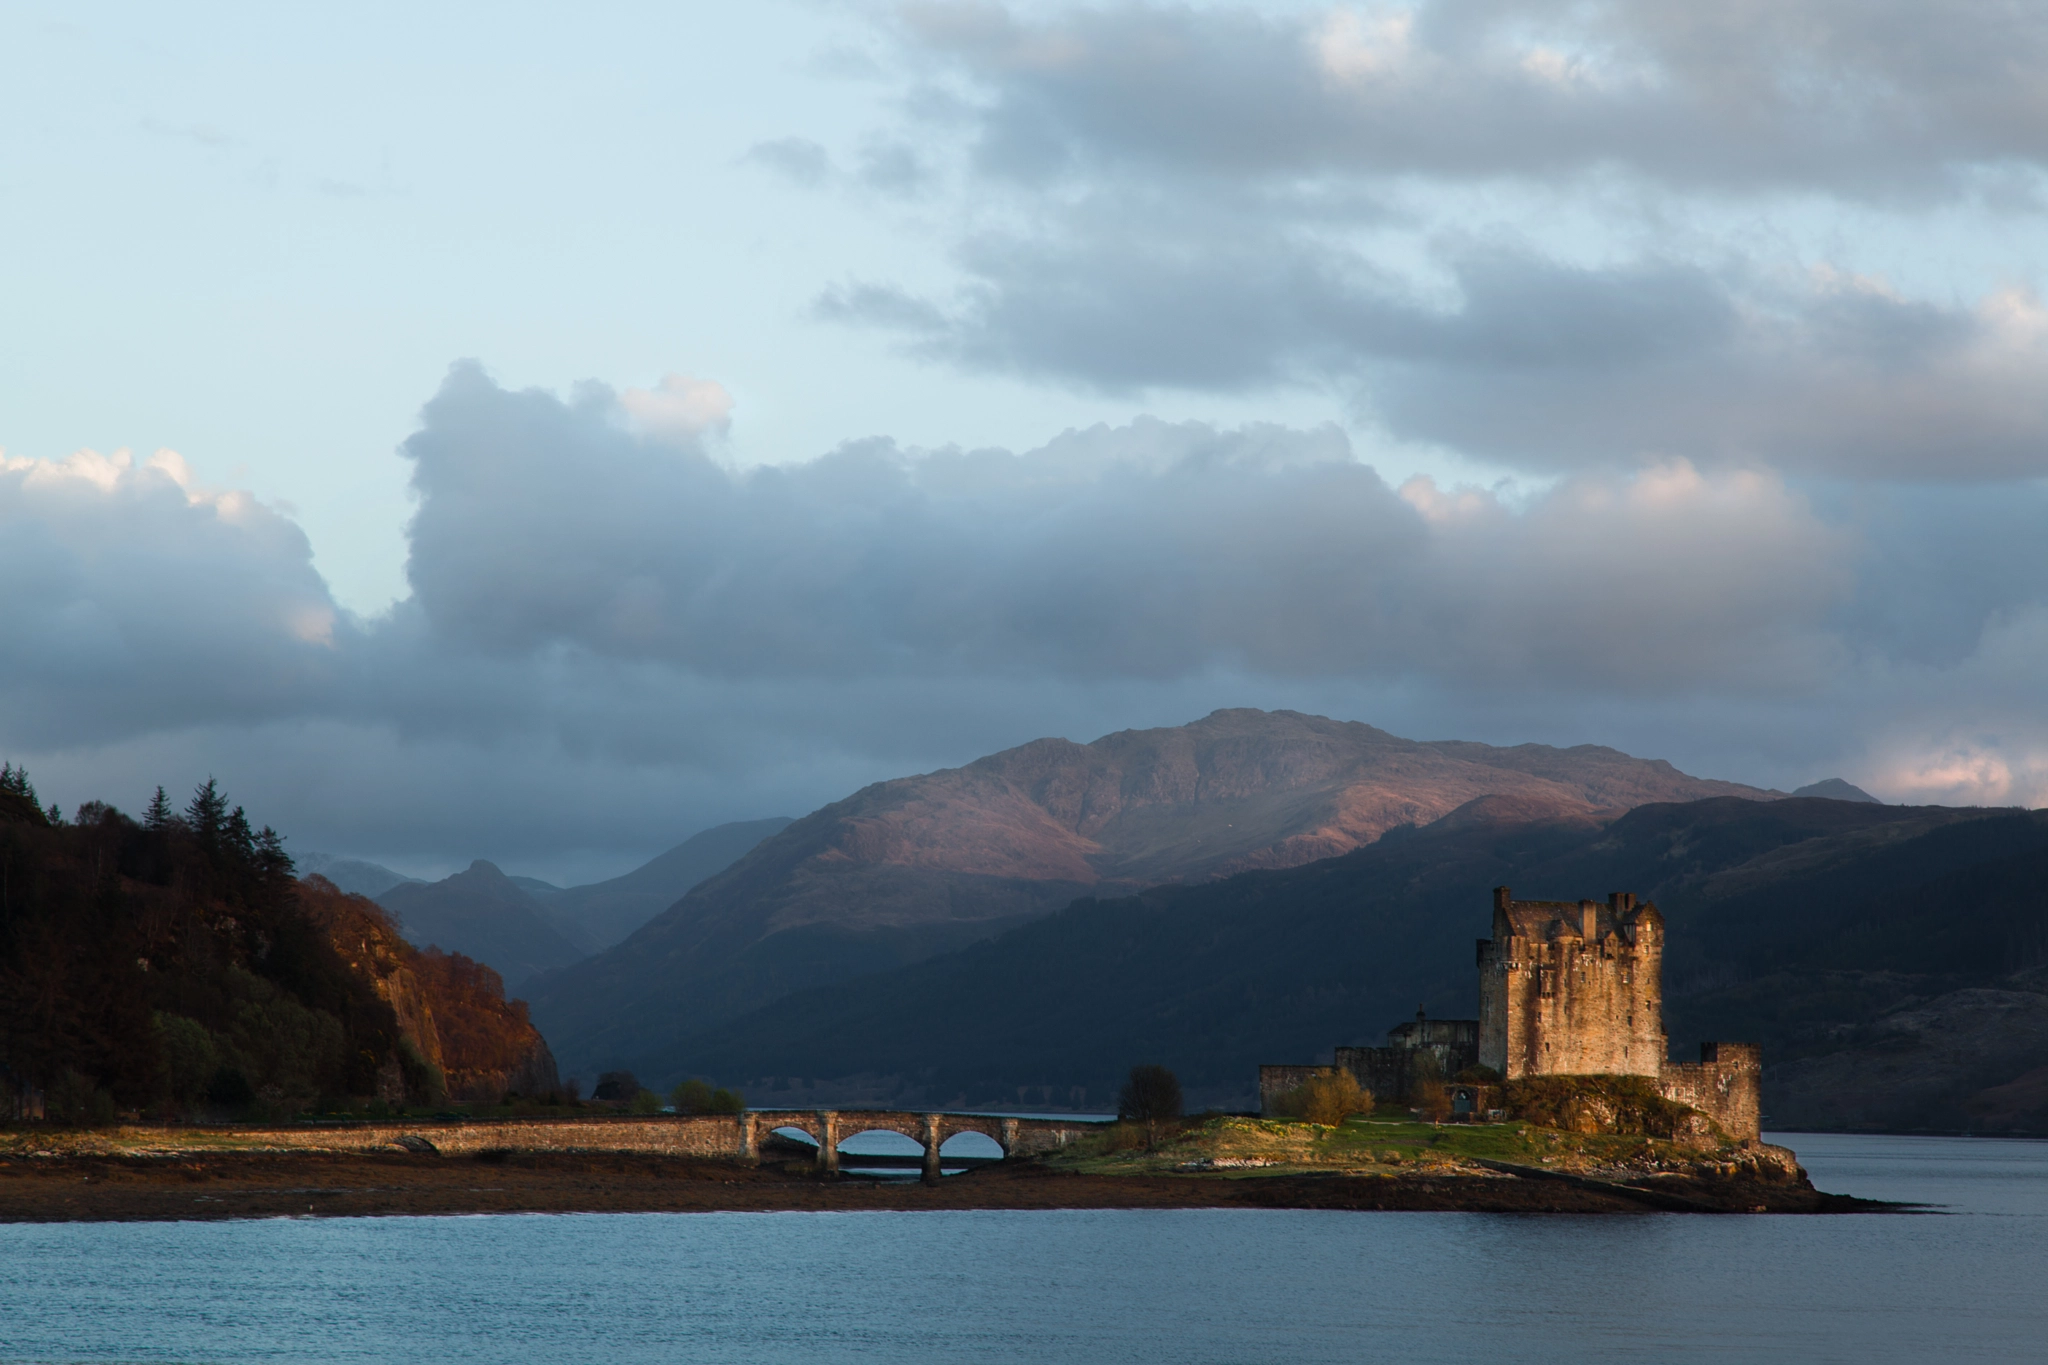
<point x="1572" y="988"/>
<point x="1566" y="988"/>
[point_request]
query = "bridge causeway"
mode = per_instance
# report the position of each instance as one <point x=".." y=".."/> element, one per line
<point x="928" y="1128"/>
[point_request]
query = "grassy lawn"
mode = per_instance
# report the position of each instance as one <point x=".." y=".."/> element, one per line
<point x="1248" y="1147"/>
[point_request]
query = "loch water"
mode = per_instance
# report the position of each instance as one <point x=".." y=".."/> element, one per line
<point x="1967" y="1281"/>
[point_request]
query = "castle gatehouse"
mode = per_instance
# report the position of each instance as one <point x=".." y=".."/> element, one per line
<point x="1566" y="988"/>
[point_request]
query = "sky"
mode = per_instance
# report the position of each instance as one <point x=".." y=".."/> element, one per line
<point x="538" y="433"/>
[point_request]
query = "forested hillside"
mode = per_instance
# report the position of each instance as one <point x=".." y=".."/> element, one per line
<point x="173" y="965"/>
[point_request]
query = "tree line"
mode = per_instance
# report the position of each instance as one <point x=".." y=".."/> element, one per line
<point x="173" y="964"/>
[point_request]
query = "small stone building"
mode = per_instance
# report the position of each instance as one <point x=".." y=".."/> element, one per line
<point x="1566" y="988"/>
<point x="1419" y="1051"/>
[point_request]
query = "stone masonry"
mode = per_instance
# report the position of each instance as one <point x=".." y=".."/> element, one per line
<point x="724" y="1137"/>
<point x="1572" y="988"/>
<point x="1576" y="988"/>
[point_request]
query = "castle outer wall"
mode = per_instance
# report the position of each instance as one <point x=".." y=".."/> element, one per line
<point x="1725" y="1084"/>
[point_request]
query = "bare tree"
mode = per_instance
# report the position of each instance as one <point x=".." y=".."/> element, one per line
<point x="1151" y="1096"/>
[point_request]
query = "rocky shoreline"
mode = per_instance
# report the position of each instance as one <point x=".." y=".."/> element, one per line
<point x="102" y="1188"/>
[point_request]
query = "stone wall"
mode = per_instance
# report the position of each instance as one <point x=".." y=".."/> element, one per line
<point x="1725" y="1084"/>
<point x="699" y="1136"/>
<point x="722" y="1136"/>
<point x="1276" y="1080"/>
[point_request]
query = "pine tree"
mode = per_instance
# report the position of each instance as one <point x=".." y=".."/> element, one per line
<point x="238" y="840"/>
<point x="208" y="814"/>
<point x="158" y="817"/>
<point x="271" y="859"/>
<point x="15" y="781"/>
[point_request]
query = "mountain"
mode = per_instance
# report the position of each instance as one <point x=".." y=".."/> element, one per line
<point x="605" y="912"/>
<point x="1893" y="962"/>
<point x="484" y="915"/>
<point x="909" y="868"/>
<point x="1835" y="789"/>
<point x="352" y="875"/>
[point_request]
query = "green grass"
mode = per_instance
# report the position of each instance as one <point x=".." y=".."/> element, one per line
<point x="1247" y="1147"/>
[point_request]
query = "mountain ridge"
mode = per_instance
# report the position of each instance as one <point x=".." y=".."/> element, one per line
<point x="922" y="864"/>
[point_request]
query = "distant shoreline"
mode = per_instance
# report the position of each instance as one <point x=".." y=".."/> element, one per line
<point x="101" y="1188"/>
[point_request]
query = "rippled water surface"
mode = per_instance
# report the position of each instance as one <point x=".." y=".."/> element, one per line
<point x="1967" y="1284"/>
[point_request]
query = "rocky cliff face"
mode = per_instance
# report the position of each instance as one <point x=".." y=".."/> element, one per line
<point x="919" y="865"/>
<point x="451" y="1011"/>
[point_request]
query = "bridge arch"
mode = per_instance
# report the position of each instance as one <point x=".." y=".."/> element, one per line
<point x="930" y="1130"/>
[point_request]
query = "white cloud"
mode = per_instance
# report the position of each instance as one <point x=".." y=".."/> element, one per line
<point x="679" y="408"/>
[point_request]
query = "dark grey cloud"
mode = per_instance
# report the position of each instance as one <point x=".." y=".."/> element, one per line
<point x="134" y="600"/>
<point x="1534" y="364"/>
<point x="1236" y="199"/>
<point x="1149" y="552"/>
<point x="612" y="638"/>
<point x="1878" y="100"/>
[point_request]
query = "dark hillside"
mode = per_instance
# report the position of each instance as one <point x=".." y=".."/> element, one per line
<point x="483" y="913"/>
<point x="605" y="912"/>
<point x="1804" y="925"/>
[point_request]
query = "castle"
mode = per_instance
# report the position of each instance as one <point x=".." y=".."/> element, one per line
<point x="1566" y="988"/>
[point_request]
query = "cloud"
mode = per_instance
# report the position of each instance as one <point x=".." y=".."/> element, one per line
<point x="1532" y="364"/>
<point x="613" y="638"/>
<point x="1167" y="550"/>
<point x="136" y="600"/>
<point x="1870" y="101"/>
<point x="679" y="408"/>
<point x="1546" y="236"/>
<point x="798" y="159"/>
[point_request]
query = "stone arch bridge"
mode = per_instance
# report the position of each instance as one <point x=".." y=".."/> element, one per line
<point x="929" y="1129"/>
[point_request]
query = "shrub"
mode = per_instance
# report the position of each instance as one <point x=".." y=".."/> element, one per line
<point x="230" y="1088"/>
<point x="1426" y="1086"/>
<point x="76" y="1100"/>
<point x="1330" y="1096"/>
<point x="691" y="1097"/>
<point x="188" y="1056"/>
<point x="646" y="1102"/>
<point x="697" y="1097"/>
<point x="1125" y="1137"/>
<point x="616" y="1087"/>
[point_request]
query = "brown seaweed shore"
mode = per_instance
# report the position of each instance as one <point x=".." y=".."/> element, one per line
<point x="90" y="1188"/>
